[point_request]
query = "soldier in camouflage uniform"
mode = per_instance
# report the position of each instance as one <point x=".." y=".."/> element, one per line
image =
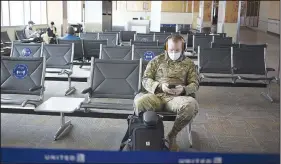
<point x="170" y="68"/>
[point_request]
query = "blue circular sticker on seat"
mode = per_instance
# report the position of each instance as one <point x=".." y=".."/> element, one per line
<point x="26" y="52"/>
<point x="20" y="71"/>
<point x="148" y="55"/>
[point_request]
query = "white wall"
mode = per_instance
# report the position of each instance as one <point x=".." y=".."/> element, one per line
<point x="176" y="18"/>
<point x="120" y="17"/>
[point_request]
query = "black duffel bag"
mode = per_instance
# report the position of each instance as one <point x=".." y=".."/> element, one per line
<point x="145" y="133"/>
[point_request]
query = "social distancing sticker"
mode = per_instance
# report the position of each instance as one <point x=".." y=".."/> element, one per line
<point x="20" y="71"/>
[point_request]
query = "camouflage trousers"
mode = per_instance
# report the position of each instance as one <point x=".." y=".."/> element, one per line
<point x="186" y="108"/>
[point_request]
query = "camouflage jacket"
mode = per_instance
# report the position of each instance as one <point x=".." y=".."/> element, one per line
<point x="162" y="69"/>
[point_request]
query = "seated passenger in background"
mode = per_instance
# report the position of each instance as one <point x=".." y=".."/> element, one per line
<point x="52" y="33"/>
<point x="29" y="32"/>
<point x="170" y="81"/>
<point x="70" y="34"/>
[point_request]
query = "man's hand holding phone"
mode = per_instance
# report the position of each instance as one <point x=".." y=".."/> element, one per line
<point x="172" y="89"/>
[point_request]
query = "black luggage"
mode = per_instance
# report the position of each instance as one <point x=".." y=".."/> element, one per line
<point x="145" y="133"/>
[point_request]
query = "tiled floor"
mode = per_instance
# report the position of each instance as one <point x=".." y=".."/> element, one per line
<point x="229" y="120"/>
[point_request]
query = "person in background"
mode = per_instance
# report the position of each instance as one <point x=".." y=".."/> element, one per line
<point x="52" y="33"/>
<point x="70" y="34"/>
<point x="29" y="32"/>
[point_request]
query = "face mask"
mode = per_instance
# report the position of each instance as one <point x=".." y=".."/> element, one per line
<point x="174" y="56"/>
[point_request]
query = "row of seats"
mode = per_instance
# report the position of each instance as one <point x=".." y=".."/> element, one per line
<point x="90" y="48"/>
<point x="246" y="62"/>
<point x="123" y="77"/>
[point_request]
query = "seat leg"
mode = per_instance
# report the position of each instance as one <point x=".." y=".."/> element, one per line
<point x="82" y="63"/>
<point x="70" y="89"/>
<point x="64" y="129"/>
<point x="267" y="94"/>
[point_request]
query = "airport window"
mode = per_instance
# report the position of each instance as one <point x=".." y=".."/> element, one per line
<point x="5" y="15"/>
<point x="16" y="13"/>
<point x="26" y="7"/>
<point x="74" y="11"/>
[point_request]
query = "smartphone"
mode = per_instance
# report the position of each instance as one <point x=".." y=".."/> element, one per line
<point x="171" y="86"/>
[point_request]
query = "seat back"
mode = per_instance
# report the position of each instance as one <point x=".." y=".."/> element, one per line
<point x="89" y="35"/>
<point x="126" y="36"/>
<point x="140" y="43"/>
<point x="249" y="60"/>
<point x="214" y="60"/>
<point x="115" y="78"/>
<point x="146" y="52"/>
<point x="26" y="50"/>
<point x="112" y="38"/>
<point x="161" y="38"/>
<point x="202" y="41"/>
<point x="223" y="40"/>
<point x="59" y="55"/>
<point x="144" y="37"/>
<point x="5" y="37"/>
<point x="92" y="48"/>
<point x="20" y="35"/>
<point x="218" y="45"/>
<point x="19" y="75"/>
<point x="116" y="52"/>
<point x="78" y="48"/>
<point x="260" y="46"/>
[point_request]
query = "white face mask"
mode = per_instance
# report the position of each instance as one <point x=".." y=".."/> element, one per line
<point x="174" y="55"/>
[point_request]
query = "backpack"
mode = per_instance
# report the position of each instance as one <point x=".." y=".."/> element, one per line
<point x="145" y="132"/>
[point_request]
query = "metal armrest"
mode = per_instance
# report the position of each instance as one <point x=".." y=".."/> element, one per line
<point x="65" y="72"/>
<point x="257" y="78"/>
<point x="35" y="88"/>
<point x="69" y="63"/>
<point x="87" y="90"/>
<point x="35" y="103"/>
<point x="7" y="42"/>
<point x="270" y="69"/>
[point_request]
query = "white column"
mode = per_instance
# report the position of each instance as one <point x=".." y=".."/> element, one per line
<point x="155" y="16"/>
<point x="93" y="16"/>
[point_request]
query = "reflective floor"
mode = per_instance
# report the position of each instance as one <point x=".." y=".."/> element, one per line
<point x="229" y="120"/>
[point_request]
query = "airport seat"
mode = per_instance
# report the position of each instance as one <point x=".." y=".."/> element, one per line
<point x="248" y="61"/>
<point x="146" y="52"/>
<point x="222" y="40"/>
<point x="5" y="39"/>
<point x="59" y="60"/>
<point x="78" y="48"/>
<point x="215" y="63"/>
<point x="26" y="50"/>
<point x="202" y="41"/>
<point x="116" y="52"/>
<point x="144" y="37"/>
<point x="161" y="38"/>
<point x="89" y="35"/>
<point x="126" y="36"/>
<point x="141" y="43"/>
<point x="22" y="77"/>
<point x="92" y="48"/>
<point x="190" y="38"/>
<point x="112" y="38"/>
<point x="223" y="45"/>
